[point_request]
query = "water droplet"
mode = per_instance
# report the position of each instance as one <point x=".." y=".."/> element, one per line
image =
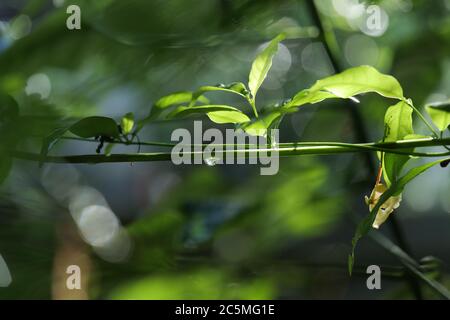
<point x="212" y="161"/>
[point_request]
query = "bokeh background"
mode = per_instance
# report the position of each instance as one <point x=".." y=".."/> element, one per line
<point x="159" y="231"/>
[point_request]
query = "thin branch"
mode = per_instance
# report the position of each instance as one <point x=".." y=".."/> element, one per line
<point x="410" y="264"/>
<point x="292" y="149"/>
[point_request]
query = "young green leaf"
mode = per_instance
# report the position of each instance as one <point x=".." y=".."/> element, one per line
<point x="236" y="88"/>
<point x="261" y="65"/>
<point x="222" y="117"/>
<point x="109" y="148"/>
<point x="49" y="142"/>
<point x="259" y="126"/>
<point x="183" y="111"/>
<point x="175" y="99"/>
<point x="398" y="123"/>
<point x="95" y="126"/>
<point x="127" y="123"/>
<point x="394" y="190"/>
<point x="440" y="114"/>
<point x="349" y="83"/>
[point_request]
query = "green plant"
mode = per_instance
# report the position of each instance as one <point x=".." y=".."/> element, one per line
<point x="395" y="148"/>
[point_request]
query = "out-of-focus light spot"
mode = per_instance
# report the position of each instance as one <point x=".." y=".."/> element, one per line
<point x="58" y="3"/>
<point x="436" y="97"/>
<point x="273" y="83"/>
<point x="374" y="22"/>
<point x="117" y="250"/>
<point x="83" y="197"/>
<point x="39" y="84"/>
<point x="447" y="4"/>
<point x="20" y="27"/>
<point x="98" y="225"/>
<point x="3" y="28"/>
<point x="406" y="5"/>
<point x="60" y="181"/>
<point x="351" y="9"/>
<point x="325" y="8"/>
<point x="283" y="60"/>
<point x="360" y="50"/>
<point x="5" y="275"/>
<point x="315" y="60"/>
<point x="281" y="64"/>
<point x="422" y="194"/>
<point x="291" y="28"/>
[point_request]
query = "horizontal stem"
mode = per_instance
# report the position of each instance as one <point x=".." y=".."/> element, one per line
<point x="285" y="149"/>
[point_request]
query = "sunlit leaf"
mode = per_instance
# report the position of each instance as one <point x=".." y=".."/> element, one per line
<point x="347" y="84"/>
<point x="127" y="123"/>
<point x="174" y="99"/>
<point x="261" y="65"/>
<point x="95" y="126"/>
<point x="236" y="88"/>
<point x="440" y="114"/>
<point x="228" y="117"/>
<point x="398" y="123"/>
<point x="183" y="111"/>
<point x="394" y="190"/>
<point x="259" y="126"/>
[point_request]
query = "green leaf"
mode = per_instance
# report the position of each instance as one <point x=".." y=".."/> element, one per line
<point x="440" y="114"/>
<point x="175" y="99"/>
<point x="235" y="87"/>
<point x="261" y="65"/>
<point x="259" y="126"/>
<point x="95" y="126"/>
<point x="109" y="148"/>
<point x="127" y="123"/>
<point x="228" y="117"/>
<point x="178" y="98"/>
<point x="347" y="84"/>
<point x="394" y="190"/>
<point x="49" y="142"/>
<point x="398" y="123"/>
<point x="183" y="111"/>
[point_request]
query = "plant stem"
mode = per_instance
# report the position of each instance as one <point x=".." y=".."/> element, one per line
<point x="285" y="149"/>
<point x="329" y="40"/>
<point x="424" y="120"/>
<point x="251" y="101"/>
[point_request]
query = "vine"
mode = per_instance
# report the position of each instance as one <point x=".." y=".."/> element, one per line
<point x="397" y="148"/>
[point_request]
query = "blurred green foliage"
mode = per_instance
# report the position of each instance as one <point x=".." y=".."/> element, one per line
<point x="209" y="232"/>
